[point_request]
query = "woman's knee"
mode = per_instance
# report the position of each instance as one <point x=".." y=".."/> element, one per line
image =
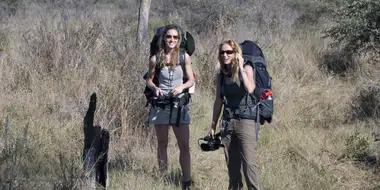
<point x="184" y="146"/>
<point x="183" y="137"/>
<point x="162" y="135"/>
<point x="162" y="143"/>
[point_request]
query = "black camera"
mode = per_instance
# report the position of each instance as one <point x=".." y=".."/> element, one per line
<point x="212" y="143"/>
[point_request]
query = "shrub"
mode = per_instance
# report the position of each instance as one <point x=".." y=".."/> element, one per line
<point x="357" y="147"/>
<point x="358" y="26"/>
<point x="337" y="62"/>
<point x="365" y="102"/>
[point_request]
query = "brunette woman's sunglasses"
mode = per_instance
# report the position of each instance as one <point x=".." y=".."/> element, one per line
<point x="228" y="52"/>
<point x="171" y="36"/>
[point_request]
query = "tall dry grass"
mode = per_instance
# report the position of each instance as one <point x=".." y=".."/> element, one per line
<point x="54" y="56"/>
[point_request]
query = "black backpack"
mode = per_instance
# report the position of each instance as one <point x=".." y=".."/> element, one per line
<point x="187" y="45"/>
<point x="252" y="54"/>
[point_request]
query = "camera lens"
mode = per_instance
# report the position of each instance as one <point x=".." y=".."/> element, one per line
<point x="205" y="147"/>
<point x="212" y="143"/>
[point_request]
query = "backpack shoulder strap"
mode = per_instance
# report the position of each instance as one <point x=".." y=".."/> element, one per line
<point x="221" y="75"/>
<point x="157" y="70"/>
<point x="182" y="57"/>
<point x="182" y="61"/>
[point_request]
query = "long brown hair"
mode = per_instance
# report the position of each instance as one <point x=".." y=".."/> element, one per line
<point x="234" y="62"/>
<point x="174" y="57"/>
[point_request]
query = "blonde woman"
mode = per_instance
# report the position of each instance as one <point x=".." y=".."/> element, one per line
<point x="171" y="107"/>
<point x="234" y="84"/>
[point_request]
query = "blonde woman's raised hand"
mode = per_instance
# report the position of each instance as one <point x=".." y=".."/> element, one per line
<point x="241" y="60"/>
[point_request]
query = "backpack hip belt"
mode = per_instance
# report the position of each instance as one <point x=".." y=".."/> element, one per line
<point x="243" y="111"/>
<point x="229" y="114"/>
<point x="238" y="114"/>
<point x="174" y="102"/>
<point x="181" y="100"/>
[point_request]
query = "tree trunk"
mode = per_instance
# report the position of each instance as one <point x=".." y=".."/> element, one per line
<point x="142" y="28"/>
<point x="95" y="152"/>
<point x="90" y="142"/>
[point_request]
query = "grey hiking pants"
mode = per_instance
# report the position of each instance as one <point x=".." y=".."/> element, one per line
<point x="239" y="139"/>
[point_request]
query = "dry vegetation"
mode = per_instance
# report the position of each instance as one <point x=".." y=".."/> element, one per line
<point x="53" y="56"/>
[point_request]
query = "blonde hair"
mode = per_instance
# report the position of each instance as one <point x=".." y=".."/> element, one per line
<point x="234" y="62"/>
<point x="174" y="57"/>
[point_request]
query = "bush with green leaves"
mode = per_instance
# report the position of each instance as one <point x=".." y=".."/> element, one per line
<point x="357" y="147"/>
<point x="358" y="26"/>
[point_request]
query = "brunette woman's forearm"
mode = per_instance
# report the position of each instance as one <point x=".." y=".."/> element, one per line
<point x="216" y="112"/>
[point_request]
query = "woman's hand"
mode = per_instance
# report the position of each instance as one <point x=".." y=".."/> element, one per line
<point x="159" y="92"/>
<point x="241" y="60"/>
<point x="211" y="133"/>
<point x="177" y="90"/>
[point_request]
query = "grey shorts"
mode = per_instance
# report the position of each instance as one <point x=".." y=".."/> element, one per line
<point x="159" y="116"/>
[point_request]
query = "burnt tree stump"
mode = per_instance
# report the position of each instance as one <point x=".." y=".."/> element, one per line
<point x="95" y="152"/>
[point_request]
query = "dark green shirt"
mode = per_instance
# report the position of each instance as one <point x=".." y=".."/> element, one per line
<point x="235" y="94"/>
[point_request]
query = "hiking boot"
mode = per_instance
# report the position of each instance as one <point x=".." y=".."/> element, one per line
<point x="187" y="185"/>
